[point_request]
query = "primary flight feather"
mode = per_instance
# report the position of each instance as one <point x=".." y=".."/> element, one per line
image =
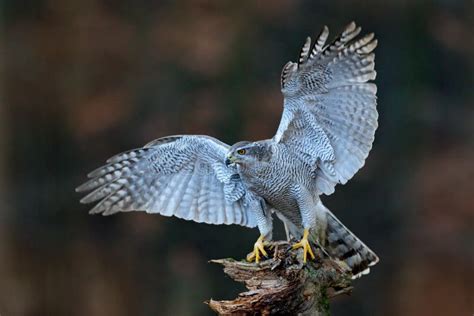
<point x="325" y="134"/>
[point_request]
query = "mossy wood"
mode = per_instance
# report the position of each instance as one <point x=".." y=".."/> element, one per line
<point x="283" y="285"/>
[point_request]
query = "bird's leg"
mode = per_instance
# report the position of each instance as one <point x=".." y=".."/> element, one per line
<point x="258" y="248"/>
<point x="304" y="243"/>
<point x="309" y="218"/>
<point x="263" y="217"/>
<point x="287" y="231"/>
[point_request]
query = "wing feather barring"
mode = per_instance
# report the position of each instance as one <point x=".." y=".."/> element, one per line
<point x="325" y="134"/>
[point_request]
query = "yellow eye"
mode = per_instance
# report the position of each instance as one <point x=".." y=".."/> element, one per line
<point x="241" y="151"/>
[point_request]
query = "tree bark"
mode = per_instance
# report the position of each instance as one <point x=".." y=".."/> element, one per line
<point x="283" y="284"/>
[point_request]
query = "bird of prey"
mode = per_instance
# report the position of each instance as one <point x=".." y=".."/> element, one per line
<point x="325" y="134"/>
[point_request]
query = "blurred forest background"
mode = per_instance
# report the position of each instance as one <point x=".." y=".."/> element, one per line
<point x="83" y="80"/>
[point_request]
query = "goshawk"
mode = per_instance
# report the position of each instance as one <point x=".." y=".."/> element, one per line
<point x="325" y="134"/>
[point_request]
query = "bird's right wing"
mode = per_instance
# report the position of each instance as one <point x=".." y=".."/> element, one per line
<point x="184" y="176"/>
<point x="330" y="117"/>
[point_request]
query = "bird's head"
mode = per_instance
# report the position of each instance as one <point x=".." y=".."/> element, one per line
<point x="247" y="153"/>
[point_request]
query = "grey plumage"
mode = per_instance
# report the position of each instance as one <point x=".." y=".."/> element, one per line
<point x="325" y="134"/>
<point x="184" y="176"/>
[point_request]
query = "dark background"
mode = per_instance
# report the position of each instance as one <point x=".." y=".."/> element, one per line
<point x="83" y="80"/>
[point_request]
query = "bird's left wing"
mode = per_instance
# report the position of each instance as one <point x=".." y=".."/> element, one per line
<point x="330" y="116"/>
<point x="183" y="176"/>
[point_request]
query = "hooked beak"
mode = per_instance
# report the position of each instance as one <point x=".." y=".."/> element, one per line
<point x="229" y="160"/>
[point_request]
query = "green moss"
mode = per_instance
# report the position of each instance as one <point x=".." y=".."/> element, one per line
<point x="323" y="302"/>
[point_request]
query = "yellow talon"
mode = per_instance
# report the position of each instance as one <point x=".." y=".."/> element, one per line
<point x="258" y="247"/>
<point x="304" y="243"/>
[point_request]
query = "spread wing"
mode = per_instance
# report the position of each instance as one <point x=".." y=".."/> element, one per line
<point x="330" y="116"/>
<point x="184" y="176"/>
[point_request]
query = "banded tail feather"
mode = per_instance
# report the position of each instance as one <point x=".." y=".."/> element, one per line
<point x="340" y="243"/>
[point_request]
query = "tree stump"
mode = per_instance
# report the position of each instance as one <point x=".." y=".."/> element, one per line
<point x="283" y="284"/>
